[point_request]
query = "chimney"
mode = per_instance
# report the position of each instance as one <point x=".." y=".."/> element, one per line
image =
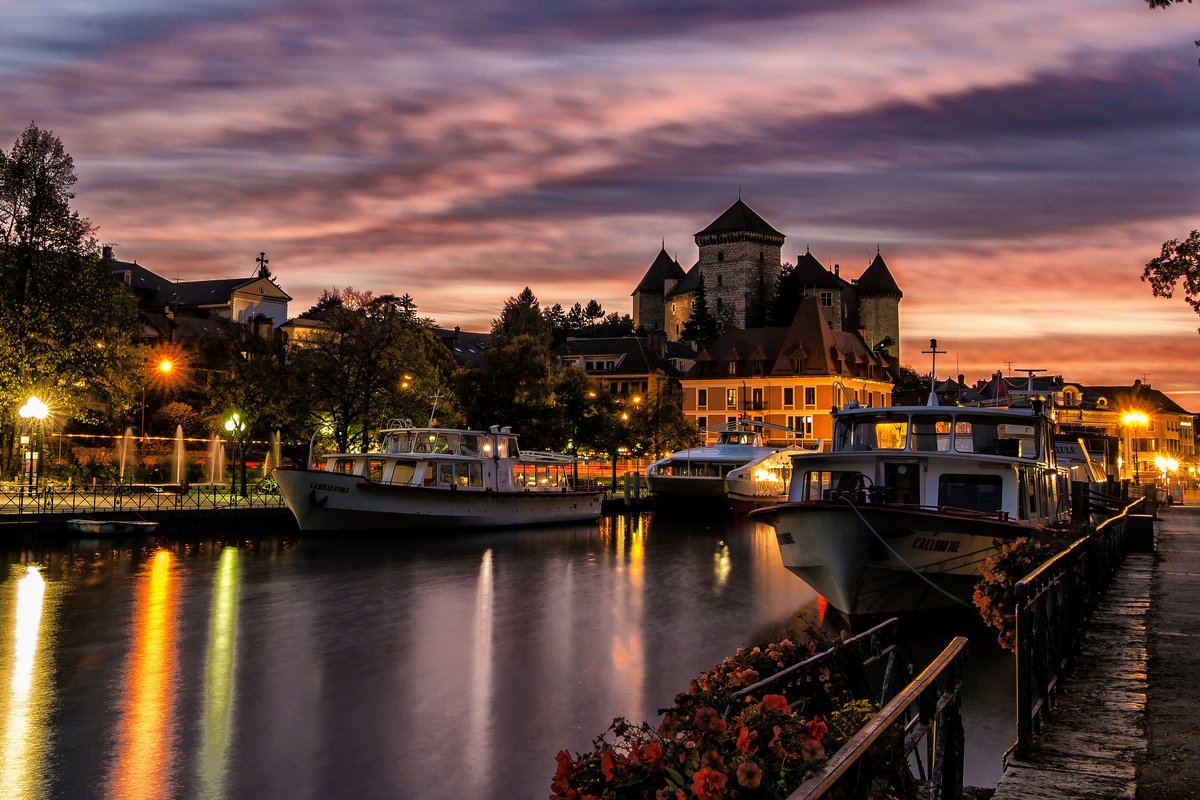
<point x="658" y="341"/>
<point x="106" y="252"/>
<point x="837" y="268"/>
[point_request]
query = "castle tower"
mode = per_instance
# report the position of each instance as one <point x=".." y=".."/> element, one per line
<point x="649" y="298"/>
<point x="740" y="261"/>
<point x="879" y="306"/>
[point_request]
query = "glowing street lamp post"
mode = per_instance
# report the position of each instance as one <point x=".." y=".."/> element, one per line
<point x="34" y="409"/>
<point x="1132" y="420"/>
<point x="237" y="430"/>
<point x="164" y="367"/>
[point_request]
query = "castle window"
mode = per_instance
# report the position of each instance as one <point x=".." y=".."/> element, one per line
<point x="761" y="256"/>
<point x="720" y="304"/>
<point x="720" y="257"/>
<point x="718" y="280"/>
<point x="826" y="299"/>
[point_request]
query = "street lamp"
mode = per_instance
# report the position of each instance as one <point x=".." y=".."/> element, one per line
<point x="237" y="430"/>
<point x="164" y="368"/>
<point x="34" y="409"/>
<point x="1133" y="419"/>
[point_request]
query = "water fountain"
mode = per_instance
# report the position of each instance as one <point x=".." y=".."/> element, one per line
<point x="274" y="455"/>
<point x="179" y="472"/>
<point x="216" y="460"/>
<point x="123" y="452"/>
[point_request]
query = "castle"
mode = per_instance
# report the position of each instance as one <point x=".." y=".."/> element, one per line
<point x="740" y="265"/>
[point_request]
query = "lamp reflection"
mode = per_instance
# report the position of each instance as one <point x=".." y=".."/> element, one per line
<point x="219" y="674"/>
<point x="481" y="674"/>
<point x="25" y="731"/>
<point x="628" y="653"/>
<point x="145" y="752"/>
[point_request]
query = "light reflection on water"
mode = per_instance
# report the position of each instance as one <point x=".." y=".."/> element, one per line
<point x="444" y="666"/>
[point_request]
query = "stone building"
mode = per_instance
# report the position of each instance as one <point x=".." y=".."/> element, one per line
<point x="740" y="264"/>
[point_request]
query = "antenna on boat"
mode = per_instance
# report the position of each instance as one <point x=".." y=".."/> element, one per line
<point x="933" y="351"/>
<point x="1030" y="375"/>
<point x="437" y="395"/>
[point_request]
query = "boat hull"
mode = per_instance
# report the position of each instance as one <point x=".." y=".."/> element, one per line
<point x="686" y="488"/>
<point x="886" y="559"/>
<point x="322" y="500"/>
<point x="110" y="527"/>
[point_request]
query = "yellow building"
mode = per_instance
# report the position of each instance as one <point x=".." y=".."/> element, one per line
<point x="790" y="377"/>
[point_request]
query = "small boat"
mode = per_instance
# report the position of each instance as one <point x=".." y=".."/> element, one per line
<point x="764" y="481"/>
<point x="432" y="477"/>
<point x="111" y="527"/>
<point x="698" y="474"/>
<point x="899" y="516"/>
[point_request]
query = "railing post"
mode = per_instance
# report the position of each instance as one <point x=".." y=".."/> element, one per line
<point x="1024" y="656"/>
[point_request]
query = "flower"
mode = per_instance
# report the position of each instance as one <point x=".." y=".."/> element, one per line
<point x="749" y="775"/>
<point x="816" y="729"/>
<point x="708" y="784"/>
<point x="776" y="702"/>
<point x="811" y="750"/>
<point x="707" y="719"/>
<point x="608" y="765"/>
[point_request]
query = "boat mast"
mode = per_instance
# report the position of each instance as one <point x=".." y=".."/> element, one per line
<point x="933" y="352"/>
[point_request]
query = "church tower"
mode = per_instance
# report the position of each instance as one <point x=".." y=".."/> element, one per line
<point x="740" y="261"/>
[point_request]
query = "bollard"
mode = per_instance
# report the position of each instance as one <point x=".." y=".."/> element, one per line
<point x="1139" y="533"/>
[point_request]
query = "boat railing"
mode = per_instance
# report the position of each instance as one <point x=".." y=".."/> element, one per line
<point x="1053" y="604"/>
<point x="927" y="711"/>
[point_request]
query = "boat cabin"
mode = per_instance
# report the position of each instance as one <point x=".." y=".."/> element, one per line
<point x="984" y="460"/>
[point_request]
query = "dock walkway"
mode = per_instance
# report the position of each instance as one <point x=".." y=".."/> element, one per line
<point x="1125" y="723"/>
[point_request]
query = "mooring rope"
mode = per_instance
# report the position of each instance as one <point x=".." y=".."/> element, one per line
<point x="900" y="558"/>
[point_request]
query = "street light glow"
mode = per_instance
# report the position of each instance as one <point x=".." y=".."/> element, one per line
<point x="35" y="408"/>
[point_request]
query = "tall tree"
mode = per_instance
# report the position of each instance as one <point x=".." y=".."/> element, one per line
<point x="787" y="298"/>
<point x="1179" y="263"/>
<point x="701" y="326"/>
<point x="66" y="325"/>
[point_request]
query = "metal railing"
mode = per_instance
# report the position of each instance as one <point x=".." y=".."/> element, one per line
<point x="875" y="647"/>
<point x="20" y="502"/>
<point x="1052" y="606"/>
<point x="930" y="710"/>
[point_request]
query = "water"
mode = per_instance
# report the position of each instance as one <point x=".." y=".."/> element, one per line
<point x="441" y="667"/>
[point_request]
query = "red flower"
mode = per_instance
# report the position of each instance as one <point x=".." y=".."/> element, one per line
<point x="776" y="702"/>
<point x="811" y="750"/>
<point x="652" y="752"/>
<point x="561" y="784"/>
<point x="669" y="727"/>
<point x="816" y="729"/>
<point x="708" y="784"/>
<point x="747" y="739"/>
<point x="749" y="775"/>
<point x="608" y="765"/>
<point x="707" y="719"/>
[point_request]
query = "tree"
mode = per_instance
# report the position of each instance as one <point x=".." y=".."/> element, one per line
<point x="356" y="368"/>
<point x="1178" y="263"/>
<point x="787" y="298"/>
<point x="66" y="326"/>
<point x="701" y="326"/>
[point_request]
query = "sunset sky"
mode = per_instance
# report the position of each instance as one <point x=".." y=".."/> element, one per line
<point x="1017" y="162"/>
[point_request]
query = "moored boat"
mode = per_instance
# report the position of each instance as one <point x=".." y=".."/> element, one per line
<point x="111" y="527"/>
<point x="911" y="500"/>
<point x="435" y="477"/>
<point x="698" y="474"/>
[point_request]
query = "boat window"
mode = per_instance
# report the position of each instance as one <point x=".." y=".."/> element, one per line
<point x="475" y="475"/>
<point x="468" y="445"/>
<point x="344" y="465"/>
<point x="403" y="471"/>
<point x="423" y="443"/>
<point x="992" y="437"/>
<point x="502" y="446"/>
<point x="446" y="477"/>
<point x="973" y="492"/>
<point x="375" y="469"/>
<point x="430" y="476"/>
<point x="931" y="434"/>
<point x="871" y="433"/>
<point x="397" y="443"/>
<point x="827" y="485"/>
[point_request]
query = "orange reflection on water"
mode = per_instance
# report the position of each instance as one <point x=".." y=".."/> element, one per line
<point x="24" y="715"/>
<point x="145" y="751"/>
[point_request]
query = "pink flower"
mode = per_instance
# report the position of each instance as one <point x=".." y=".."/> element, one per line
<point x="811" y="750"/>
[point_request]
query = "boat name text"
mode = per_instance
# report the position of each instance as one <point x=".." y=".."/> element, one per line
<point x="936" y="545"/>
<point x="328" y="487"/>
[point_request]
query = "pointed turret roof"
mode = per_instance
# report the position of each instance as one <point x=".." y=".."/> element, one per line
<point x="809" y="330"/>
<point x="740" y="217"/>
<point x="663" y="268"/>
<point x="878" y="279"/>
<point x="811" y="272"/>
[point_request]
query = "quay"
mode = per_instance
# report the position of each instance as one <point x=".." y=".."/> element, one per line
<point x="1124" y="725"/>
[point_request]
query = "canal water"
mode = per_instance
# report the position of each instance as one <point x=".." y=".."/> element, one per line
<point x="444" y="666"/>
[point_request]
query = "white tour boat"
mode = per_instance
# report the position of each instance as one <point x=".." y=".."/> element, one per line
<point x="433" y="477"/>
<point x="911" y="499"/>
<point x="699" y="473"/>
